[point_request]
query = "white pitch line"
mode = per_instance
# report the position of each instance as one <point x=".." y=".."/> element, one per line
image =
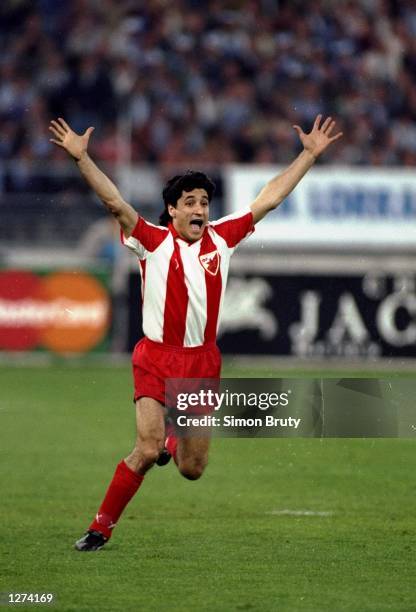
<point x="300" y="513"/>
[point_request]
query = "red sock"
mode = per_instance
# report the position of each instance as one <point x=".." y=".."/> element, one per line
<point x="122" y="488"/>
<point x="171" y="444"/>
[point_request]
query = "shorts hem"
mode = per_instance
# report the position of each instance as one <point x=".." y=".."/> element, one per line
<point x="156" y="396"/>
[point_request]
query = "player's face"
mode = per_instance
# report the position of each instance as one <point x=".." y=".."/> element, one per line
<point x="190" y="215"/>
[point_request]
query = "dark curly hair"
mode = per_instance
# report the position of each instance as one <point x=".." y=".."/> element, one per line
<point x="184" y="182"/>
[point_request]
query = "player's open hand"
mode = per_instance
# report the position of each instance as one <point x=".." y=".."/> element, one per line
<point x="66" y="138"/>
<point x="320" y="137"/>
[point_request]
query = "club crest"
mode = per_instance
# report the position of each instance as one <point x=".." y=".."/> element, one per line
<point x="211" y="262"/>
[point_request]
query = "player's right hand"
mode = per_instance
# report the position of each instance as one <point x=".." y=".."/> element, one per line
<point x="66" y="138"/>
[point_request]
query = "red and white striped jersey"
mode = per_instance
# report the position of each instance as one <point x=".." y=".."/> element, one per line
<point x="183" y="284"/>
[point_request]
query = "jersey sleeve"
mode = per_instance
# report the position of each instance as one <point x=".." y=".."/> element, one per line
<point x="235" y="227"/>
<point x="145" y="238"/>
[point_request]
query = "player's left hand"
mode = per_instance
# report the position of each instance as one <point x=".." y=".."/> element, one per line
<point x="75" y="144"/>
<point x="320" y="137"/>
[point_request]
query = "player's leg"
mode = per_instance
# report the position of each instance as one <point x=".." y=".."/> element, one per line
<point x="129" y="473"/>
<point x="190" y="451"/>
<point x="171" y="443"/>
<point x="192" y="454"/>
<point x="150" y="426"/>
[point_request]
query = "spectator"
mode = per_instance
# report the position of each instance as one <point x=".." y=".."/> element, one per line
<point x="189" y="75"/>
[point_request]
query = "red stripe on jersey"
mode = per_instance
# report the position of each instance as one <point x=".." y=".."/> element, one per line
<point x="234" y="228"/>
<point x="150" y="236"/>
<point x="213" y="283"/>
<point x="176" y="303"/>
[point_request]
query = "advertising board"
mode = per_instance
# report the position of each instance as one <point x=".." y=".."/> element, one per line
<point x="332" y="207"/>
<point x="60" y="311"/>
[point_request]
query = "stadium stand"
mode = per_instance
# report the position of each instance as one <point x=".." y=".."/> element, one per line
<point x="210" y="81"/>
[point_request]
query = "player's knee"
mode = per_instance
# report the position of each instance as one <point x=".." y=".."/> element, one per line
<point x="149" y="454"/>
<point x="144" y="456"/>
<point x="192" y="470"/>
<point x="149" y="457"/>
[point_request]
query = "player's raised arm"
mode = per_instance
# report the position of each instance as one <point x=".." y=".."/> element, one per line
<point x="276" y="190"/>
<point x="76" y="145"/>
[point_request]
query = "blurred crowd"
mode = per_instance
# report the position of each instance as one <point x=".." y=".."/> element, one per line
<point x="209" y="81"/>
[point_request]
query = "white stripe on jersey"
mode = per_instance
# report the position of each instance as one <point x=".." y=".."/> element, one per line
<point x="157" y="268"/>
<point x="134" y="245"/>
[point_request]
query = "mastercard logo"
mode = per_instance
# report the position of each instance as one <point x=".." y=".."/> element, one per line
<point x="64" y="312"/>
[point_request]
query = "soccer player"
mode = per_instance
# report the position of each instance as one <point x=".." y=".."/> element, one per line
<point x="184" y="266"/>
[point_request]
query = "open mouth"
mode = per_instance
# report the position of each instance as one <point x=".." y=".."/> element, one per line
<point x="196" y="224"/>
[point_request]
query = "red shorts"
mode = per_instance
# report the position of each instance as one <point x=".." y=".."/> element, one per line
<point x="154" y="362"/>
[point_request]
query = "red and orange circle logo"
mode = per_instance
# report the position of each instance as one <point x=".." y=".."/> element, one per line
<point x="64" y="311"/>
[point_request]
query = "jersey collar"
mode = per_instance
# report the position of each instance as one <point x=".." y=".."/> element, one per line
<point x="176" y="235"/>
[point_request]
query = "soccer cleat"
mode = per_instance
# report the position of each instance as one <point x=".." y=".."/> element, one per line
<point x="164" y="457"/>
<point x="90" y="541"/>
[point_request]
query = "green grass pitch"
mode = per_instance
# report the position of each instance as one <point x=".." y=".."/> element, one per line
<point x="223" y="543"/>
